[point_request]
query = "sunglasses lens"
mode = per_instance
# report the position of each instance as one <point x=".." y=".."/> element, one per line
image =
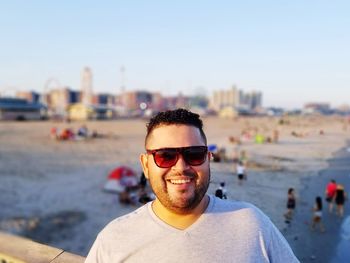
<point x="195" y="155"/>
<point x="165" y="158"/>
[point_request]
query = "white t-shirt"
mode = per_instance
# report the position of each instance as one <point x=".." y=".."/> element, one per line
<point x="226" y="232"/>
<point x="240" y="169"/>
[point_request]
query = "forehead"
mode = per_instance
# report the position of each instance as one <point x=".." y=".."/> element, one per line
<point x="174" y="136"/>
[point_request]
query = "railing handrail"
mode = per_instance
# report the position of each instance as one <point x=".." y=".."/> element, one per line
<point x="15" y="249"/>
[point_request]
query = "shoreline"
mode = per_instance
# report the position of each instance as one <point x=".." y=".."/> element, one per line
<point x="315" y="246"/>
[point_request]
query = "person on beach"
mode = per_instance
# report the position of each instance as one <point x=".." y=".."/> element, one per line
<point x="143" y="181"/>
<point x="67" y="134"/>
<point x="339" y="199"/>
<point x="184" y="223"/>
<point x="144" y="197"/>
<point x="330" y="192"/>
<point x="221" y="192"/>
<point x="127" y="197"/>
<point x="83" y="131"/>
<point x="241" y="173"/>
<point x="317" y="215"/>
<point x="54" y="133"/>
<point x="290" y="204"/>
<point x="243" y="158"/>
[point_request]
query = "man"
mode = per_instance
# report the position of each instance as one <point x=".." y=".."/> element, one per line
<point x="183" y="223"/>
<point x="331" y="188"/>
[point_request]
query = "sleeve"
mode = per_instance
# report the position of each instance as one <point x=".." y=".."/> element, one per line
<point x="275" y="247"/>
<point x="95" y="254"/>
<point x="278" y="248"/>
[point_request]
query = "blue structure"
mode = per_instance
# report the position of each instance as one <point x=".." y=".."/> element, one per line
<point x="21" y="109"/>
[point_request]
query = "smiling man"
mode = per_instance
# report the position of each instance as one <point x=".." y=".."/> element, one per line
<point x="183" y="223"/>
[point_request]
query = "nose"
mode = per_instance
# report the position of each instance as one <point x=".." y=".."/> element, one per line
<point x="181" y="164"/>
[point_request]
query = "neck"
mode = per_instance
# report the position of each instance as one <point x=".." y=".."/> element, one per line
<point x="177" y="220"/>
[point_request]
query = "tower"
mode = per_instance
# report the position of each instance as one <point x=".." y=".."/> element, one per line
<point x="86" y="86"/>
<point x="122" y="75"/>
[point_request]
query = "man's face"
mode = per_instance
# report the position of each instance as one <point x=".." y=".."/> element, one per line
<point x="181" y="187"/>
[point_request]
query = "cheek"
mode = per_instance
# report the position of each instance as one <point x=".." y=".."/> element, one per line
<point x="156" y="174"/>
<point x="203" y="173"/>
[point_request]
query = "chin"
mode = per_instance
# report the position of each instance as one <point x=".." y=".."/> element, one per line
<point x="184" y="206"/>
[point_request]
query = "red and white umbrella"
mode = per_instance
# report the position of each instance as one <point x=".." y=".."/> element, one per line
<point x="120" y="178"/>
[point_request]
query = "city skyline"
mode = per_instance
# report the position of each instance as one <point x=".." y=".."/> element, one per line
<point x="293" y="52"/>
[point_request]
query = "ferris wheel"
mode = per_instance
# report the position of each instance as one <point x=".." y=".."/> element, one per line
<point x="51" y="83"/>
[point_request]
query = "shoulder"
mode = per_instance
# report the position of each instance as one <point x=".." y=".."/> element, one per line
<point x="217" y="203"/>
<point x="118" y="238"/>
<point x="121" y="225"/>
<point x="245" y="218"/>
<point x="238" y="209"/>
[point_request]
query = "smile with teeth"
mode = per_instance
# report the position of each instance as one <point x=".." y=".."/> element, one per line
<point x="179" y="181"/>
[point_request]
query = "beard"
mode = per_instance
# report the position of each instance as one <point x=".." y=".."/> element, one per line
<point x="183" y="201"/>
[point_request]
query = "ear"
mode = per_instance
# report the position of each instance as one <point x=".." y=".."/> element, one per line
<point x="144" y="164"/>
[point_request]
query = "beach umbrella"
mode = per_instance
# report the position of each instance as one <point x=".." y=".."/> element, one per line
<point x="212" y="147"/>
<point x="120" y="178"/>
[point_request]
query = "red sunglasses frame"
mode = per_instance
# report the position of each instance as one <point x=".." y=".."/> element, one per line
<point x="178" y="151"/>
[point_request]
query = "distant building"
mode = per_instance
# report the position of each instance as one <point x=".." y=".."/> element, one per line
<point x="179" y="101"/>
<point x="82" y="112"/>
<point x="103" y="99"/>
<point x="250" y="100"/>
<point x="158" y="102"/>
<point x="132" y="100"/>
<point x="20" y="109"/>
<point x="198" y="101"/>
<point x="30" y="96"/>
<point x="59" y="99"/>
<point x="317" y="107"/>
<point x="234" y="98"/>
<point x="224" y="98"/>
<point x="86" y="86"/>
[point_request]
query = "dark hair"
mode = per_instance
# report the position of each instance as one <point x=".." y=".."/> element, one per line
<point x="222" y="184"/>
<point x="319" y="202"/>
<point x="177" y="117"/>
<point x="290" y="190"/>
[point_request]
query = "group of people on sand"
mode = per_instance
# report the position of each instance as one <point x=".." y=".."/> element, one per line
<point x="69" y="134"/>
<point x="136" y="195"/>
<point x="253" y="135"/>
<point x="305" y="133"/>
<point x="334" y="195"/>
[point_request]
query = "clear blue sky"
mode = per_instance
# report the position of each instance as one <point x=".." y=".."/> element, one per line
<point x="293" y="51"/>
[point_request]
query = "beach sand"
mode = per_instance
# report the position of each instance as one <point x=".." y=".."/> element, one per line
<point x="51" y="191"/>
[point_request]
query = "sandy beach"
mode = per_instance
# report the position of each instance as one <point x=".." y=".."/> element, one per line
<point x="51" y="191"/>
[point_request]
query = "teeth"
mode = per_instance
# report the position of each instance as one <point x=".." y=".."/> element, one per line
<point x="178" y="181"/>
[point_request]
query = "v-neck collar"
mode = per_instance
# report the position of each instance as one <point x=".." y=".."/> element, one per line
<point x="163" y="224"/>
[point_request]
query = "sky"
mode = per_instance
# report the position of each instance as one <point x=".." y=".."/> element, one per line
<point x="294" y="51"/>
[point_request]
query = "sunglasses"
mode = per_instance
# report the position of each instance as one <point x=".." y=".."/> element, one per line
<point x="168" y="157"/>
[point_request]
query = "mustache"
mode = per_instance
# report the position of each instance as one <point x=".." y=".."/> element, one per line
<point x="187" y="173"/>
